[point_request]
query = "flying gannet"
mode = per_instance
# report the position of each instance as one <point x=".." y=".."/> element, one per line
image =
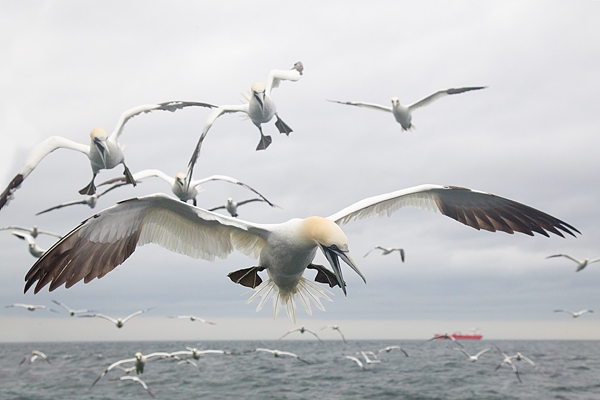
<point x="285" y="250"/>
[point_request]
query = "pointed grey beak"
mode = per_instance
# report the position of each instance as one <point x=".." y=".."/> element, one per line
<point x="260" y="99"/>
<point x="102" y="149"/>
<point x="332" y="253"/>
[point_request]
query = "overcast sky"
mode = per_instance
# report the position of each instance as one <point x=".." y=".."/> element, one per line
<point x="531" y="136"/>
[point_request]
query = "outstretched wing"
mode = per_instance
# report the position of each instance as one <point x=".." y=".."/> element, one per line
<point x="35" y="157"/>
<point x="230" y="180"/>
<point x="430" y="99"/>
<point x="127" y="318"/>
<point x="278" y="75"/>
<point x="372" y="106"/>
<point x="476" y="209"/>
<point x="105" y="240"/>
<point x="207" y="125"/>
<point x="166" y="106"/>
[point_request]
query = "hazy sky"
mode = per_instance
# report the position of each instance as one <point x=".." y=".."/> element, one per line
<point x="531" y="136"/>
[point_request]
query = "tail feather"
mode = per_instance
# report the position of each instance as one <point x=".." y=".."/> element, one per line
<point x="306" y="291"/>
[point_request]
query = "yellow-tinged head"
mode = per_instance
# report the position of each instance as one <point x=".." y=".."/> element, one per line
<point x="325" y="232"/>
<point x="98" y="133"/>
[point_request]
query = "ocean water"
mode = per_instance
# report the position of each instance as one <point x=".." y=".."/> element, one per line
<point x="433" y="370"/>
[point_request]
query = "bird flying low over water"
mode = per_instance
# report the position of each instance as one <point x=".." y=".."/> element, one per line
<point x="104" y="151"/>
<point x="285" y="250"/>
<point x="387" y="250"/>
<point x="34" y="355"/>
<point x="135" y="379"/>
<point x="260" y="108"/>
<point x="181" y="187"/>
<point x="30" y="307"/>
<point x="301" y="330"/>
<point x="581" y="264"/>
<point x="402" y="113"/>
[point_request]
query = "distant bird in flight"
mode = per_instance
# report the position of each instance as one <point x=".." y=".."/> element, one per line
<point x="193" y="318"/>
<point x="285" y="250"/>
<point x="521" y="357"/>
<point x="104" y="151"/>
<point x="181" y="187"/>
<point x="387" y="250"/>
<point x="581" y="264"/>
<point x="301" y="330"/>
<point x="196" y="354"/>
<point x="119" y="322"/>
<point x="277" y="353"/>
<point x="402" y="113"/>
<point x="34" y="355"/>
<point x="135" y="379"/>
<point x="139" y="361"/>
<point x="335" y="328"/>
<point x="260" y="108"/>
<point x="32" y="245"/>
<point x="575" y="314"/>
<point x="30" y="307"/>
<point x="33" y="231"/>
<point x="89" y="201"/>
<point x="470" y="357"/>
<point x="71" y="311"/>
<point x="357" y="361"/>
<point x="390" y="348"/>
<point x="508" y="361"/>
<point x="232" y="206"/>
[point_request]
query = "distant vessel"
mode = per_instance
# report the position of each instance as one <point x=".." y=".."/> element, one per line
<point x="473" y="334"/>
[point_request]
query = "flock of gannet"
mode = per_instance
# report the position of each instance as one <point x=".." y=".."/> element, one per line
<point x="284" y="251"/>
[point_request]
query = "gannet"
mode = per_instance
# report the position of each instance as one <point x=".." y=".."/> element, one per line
<point x="196" y="354"/>
<point x="387" y="250"/>
<point x="71" y="311"/>
<point x="139" y="362"/>
<point x="402" y="113"/>
<point x="521" y="357"/>
<point x="335" y="328"/>
<point x="89" y="201"/>
<point x="508" y="361"/>
<point x="470" y="357"/>
<point x="277" y="353"/>
<point x="180" y="186"/>
<point x="30" y="307"/>
<point x="574" y="314"/>
<point x="104" y="151"/>
<point x="390" y="348"/>
<point x="285" y="250"/>
<point x="232" y="206"/>
<point x="357" y="361"/>
<point x="34" y="355"/>
<point x="193" y="318"/>
<point x="301" y="330"/>
<point x="368" y="360"/>
<point x="119" y="322"/>
<point x="33" y="247"/>
<point x="135" y="379"/>
<point x="260" y="108"/>
<point x="581" y="264"/>
<point x="33" y="231"/>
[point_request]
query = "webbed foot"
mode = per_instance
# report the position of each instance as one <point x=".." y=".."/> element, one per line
<point x="246" y="277"/>
<point x="282" y="126"/>
<point x="265" y="141"/>
<point x="324" y="275"/>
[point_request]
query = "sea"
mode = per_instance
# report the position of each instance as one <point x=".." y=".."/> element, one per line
<point x="433" y="370"/>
